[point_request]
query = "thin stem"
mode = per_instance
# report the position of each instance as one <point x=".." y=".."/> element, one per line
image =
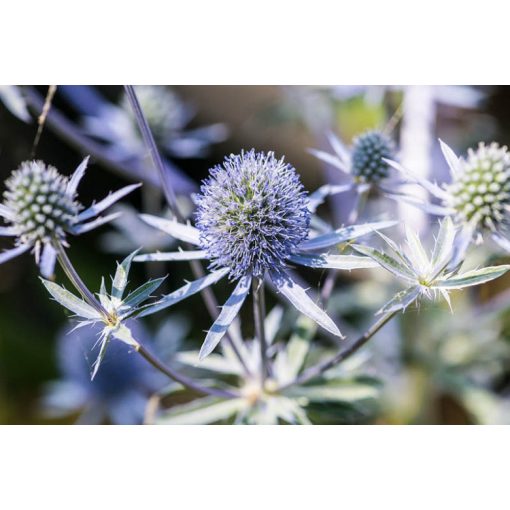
<point x="259" y="313"/>
<point x="182" y="379"/>
<point x="155" y="155"/>
<point x="75" y="279"/>
<point x="320" y="368"/>
<point x="208" y="296"/>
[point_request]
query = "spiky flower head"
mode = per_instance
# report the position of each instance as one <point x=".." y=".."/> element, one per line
<point x="252" y="214"/>
<point x="481" y="190"/>
<point x="163" y="109"/>
<point x="39" y="204"/>
<point x="367" y="152"/>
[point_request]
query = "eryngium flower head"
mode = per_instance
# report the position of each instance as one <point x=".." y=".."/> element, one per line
<point x="480" y="191"/>
<point x="367" y="152"/>
<point x="252" y="214"/>
<point x="41" y="207"/>
<point x="163" y="109"/>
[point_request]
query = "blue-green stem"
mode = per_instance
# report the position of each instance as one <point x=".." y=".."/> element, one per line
<point x="259" y="314"/>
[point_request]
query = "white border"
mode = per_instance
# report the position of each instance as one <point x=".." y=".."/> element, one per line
<point x="254" y="467"/>
<point x="254" y="42"/>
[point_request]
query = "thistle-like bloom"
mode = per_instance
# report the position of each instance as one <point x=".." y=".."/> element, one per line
<point x="426" y="275"/>
<point x="117" y="309"/>
<point x="40" y="208"/>
<point x="264" y="403"/>
<point x="478" y="196"/>
<point x="253" y="220"/>
<point x="364" y="163"/>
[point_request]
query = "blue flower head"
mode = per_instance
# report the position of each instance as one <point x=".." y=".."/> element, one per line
<point x="252" y="214"/>
<point x="367" y="152"/>
<point x="252" y="222"/>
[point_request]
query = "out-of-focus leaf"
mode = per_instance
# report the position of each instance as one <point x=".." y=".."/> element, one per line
<point x="202" y="411"/>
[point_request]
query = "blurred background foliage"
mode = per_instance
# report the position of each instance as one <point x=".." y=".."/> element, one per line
<point x="432" y="366"/>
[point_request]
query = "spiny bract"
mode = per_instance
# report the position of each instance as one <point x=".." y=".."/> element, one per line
<point x="39" y="203"/>
<point x="480" y="192"/>
<point x="367" y="152"/>
<point x="252" y="214"/>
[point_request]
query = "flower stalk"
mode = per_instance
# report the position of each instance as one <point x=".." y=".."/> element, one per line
<point x="320" y="368"/>
<point x="110" y="318"/>
<point x="207" y="294"/>
<point x="259" y="313"/>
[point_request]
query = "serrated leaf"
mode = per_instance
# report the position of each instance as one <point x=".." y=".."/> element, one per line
<point x="104" y="339"/>
<point x="120" y="280"/>
<point x="347" y="392"/>
<point x="345" y="262"/>
<point x="202" y="411"/>
<point x="143" y="292"/>
<point x="470" y="278"/>
<point x="344" y="234"/>
<point x="185" y="291"/>
<point x="444" y="246"/>
<point x="401" y="300"/>
<point x="451" y="159"/>
<point x="228" y="313"/>
<point x="302" y="302"/>
<point x="387" y="262"/>
<point x="70" y="301"/>
<point x="100" y="206"/>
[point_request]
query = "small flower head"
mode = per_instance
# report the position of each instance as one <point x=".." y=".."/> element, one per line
<point x="252" y="214"/>
<point x="368" y="152"/>
<point x="39" y="204"/>
<point x="481" y="190"/>
<point x="163" y="109"/>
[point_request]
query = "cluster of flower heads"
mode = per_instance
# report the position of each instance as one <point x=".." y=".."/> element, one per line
<point x="252" y="214"/>
<point x="40" y="208"/>
<point x="253" y="222"/>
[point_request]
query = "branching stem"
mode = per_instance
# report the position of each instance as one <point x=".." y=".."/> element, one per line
<point x="320" y="368"/>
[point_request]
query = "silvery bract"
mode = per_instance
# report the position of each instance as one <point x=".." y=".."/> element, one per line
<point x="264" y="403"/>
<point x="41" y="208"/>
<point x="424" y="274"/>
<point x="253" y="220"/>
<point x="116" y="308"/>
